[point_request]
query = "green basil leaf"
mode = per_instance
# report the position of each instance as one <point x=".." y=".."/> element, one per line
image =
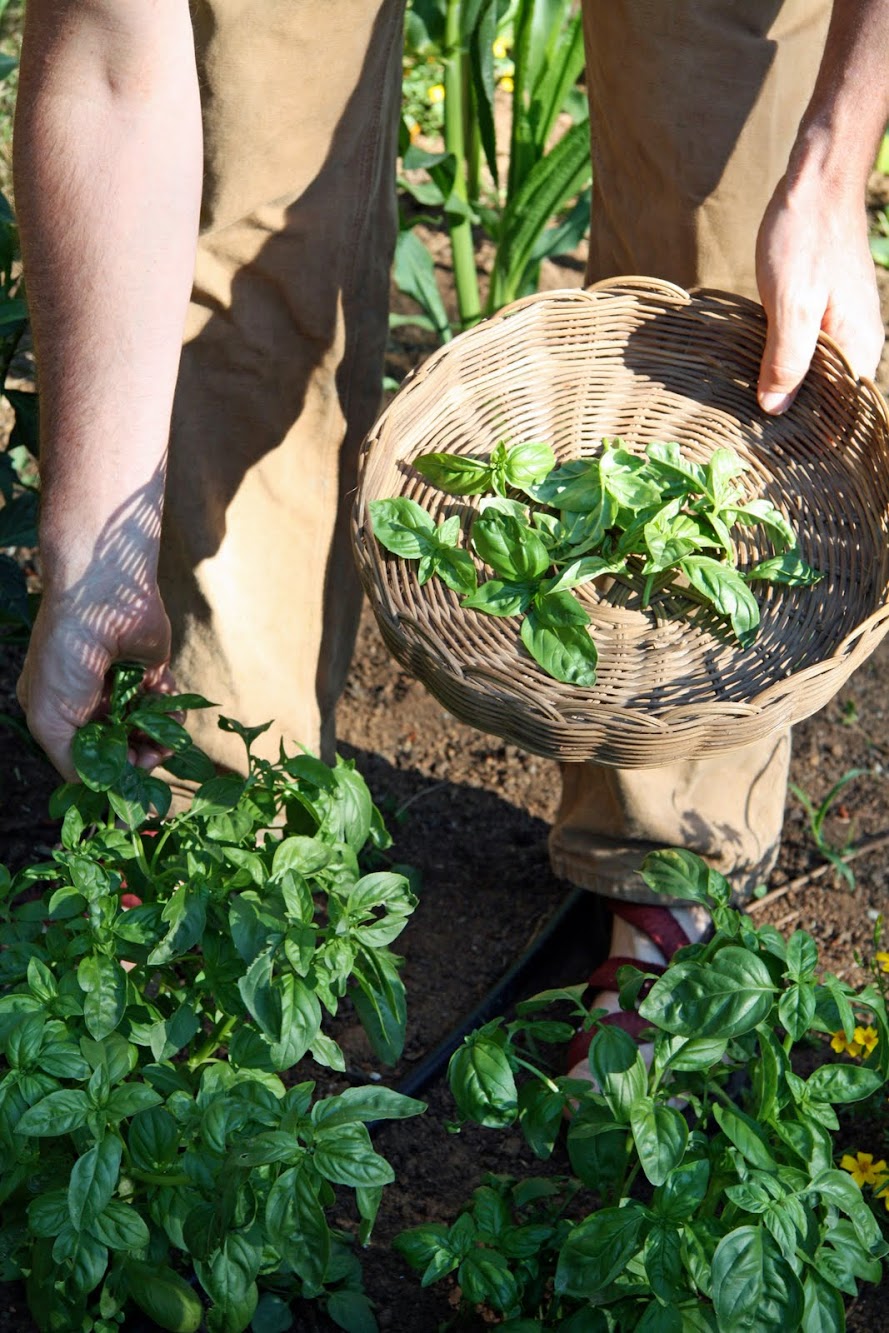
<point x="152" y="1139"/>
<point x="754" y="1285"/>
<point x="764" y="512"/>
<point x="104" y="983"/>
<point x="344" y="1155"/>
<point x="796" y="1009"/>
<point x="559" y="608"/>
<point x="402" y="527"/>
<point x="93" y="1180"/>
<point x="584" y="571"/>
<point x="513" y="550"/>
<point x="598" y="1249"/>
<point x="456" y="569"/>
<point x="49" y="1213"/>
<point x="790" y="569"/>
<point x="99" y="753"/>
<point x="677" y="873"/>
<point x="164" y="1296"/>
<point x="499" y="598"/>
<point x="120" y="1227"/>
<point x="565" y="652"/>
<point x="725" y="997"/>
<point x="669" y="461"/>
<point x="482" y="1083"/>
<point x="660" y="1134"/>
<point x="618" y="1069"/>
<point x="186" y="918"/>
<point x="528" y="463"/>
<point x="843" y="1083"/>
<point x="746" y="1135"/>
<point x="726" y="590"/>
<point x="683" y="1190"/>
<point x="452" y="473"/>
<point x="300" y="1021"/>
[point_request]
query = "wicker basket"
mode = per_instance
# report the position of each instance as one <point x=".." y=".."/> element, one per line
<point x="644" y="361"/>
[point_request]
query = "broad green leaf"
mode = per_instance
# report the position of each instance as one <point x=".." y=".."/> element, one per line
<point x="296" y="1225"/>
<point x="48" y="1213"/>
<point x="725" y="589"/>
<point x="456" y="569"/>
<point x="598" y="1249"/>
<point x="380" y="1003"/>
<point x="164" y="1296"/>
<point x="484" y="1277"/>
<point x="104" y="984"/>
<point x="618" y="1070"/>
<point x="754" y="1285"/>
<point x="663" y="1263"/>
<point x="454" y="474"/>
<point x="669" y="460"/>
<point x="120" y="1227"/>
<point x="402" y="527"/>
<point x="99" y="753"/>
<point x="304" y="855"/>
<point x="365" y="1103"/>
<point x="152" y="1138"/>
<point x="746" y="1135"/>
<point x="482" y="1083"/>
<point x="842" y="1083"/>
<point x="343" y="1153"/>
<point x="565" y="652"/>
<point x="796" y="1009"/>
<point x="823" y="1310"/>
<point x="93" y="1180"/>
<point x="300" y="1021"/>
<point x="790" y="569"/>
<point x="677" y="873"/>
<point x="583" y="570"/>
<point x="56" y="1114"/>
<point x="558" y="608"/>
<point x="514" y="551"/>
<point x="764" y="512"/>
<point x="499" y="598"/>
<point x="725" y="997"/>
<point x="660" y="1134"/>
<point x="186" y="918"/>
<point x="528" y="463"/>
<point x="683" y="1189"/>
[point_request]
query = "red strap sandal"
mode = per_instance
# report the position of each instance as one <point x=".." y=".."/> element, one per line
<point x="665" y="933"/>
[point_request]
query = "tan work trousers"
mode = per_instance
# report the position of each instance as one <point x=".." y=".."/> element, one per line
<point x="694" y="105"/>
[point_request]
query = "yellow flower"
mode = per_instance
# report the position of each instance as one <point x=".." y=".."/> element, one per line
<point x="501" y="48"/>
<point x="414" y="131"/>
<point x="884" y="1195"/>
<point x="866" y="1038"/>
<point x="839" y="1043"/>
<point x="507" y="83"/>
<point x="864" y="1170"/>
<point x="883" y="959"/>
<point x="436" y="93"/>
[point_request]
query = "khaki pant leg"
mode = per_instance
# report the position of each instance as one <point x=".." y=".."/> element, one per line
<point x="282" y="364"/>
<point x="694" y="107"/>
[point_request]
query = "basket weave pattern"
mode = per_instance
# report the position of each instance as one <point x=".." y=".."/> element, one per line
<point x="644" y="361"/>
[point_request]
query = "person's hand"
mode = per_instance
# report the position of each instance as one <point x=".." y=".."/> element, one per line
<point x="815" y="272"/>
<point x="78" y="635"/>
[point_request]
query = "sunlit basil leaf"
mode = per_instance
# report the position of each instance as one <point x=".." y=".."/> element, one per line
<point x="725" y="588"/>
<point x="528" y="463"/>
<point x="565" y="652"/>
<point x="482" y="1083"/>
<point x="402" y="527"/>
<point x="764" y="512"/>
<point x="725" y="997"/>
<point x="790" y="569"/>
<point x="512" y="549"/>
<point x="754" y="1285"/>
<point x="497" y="597"/>
<point x="453" y="473"/>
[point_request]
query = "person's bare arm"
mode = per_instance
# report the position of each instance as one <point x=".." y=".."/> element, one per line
<point x="813" y="260"/>
<point x="108" y="163"/>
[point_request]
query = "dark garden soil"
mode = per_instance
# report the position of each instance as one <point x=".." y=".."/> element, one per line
<point x="471" y="813"/>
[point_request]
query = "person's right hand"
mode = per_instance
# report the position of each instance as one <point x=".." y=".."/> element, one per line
<point x="77" y="636"/>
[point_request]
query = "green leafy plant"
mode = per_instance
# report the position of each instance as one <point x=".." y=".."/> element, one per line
<point x="160" y="980"/>
<point x="545" y="530"/>
<point x="718" y="1203"/>
<point x="546" y="172"/>
<point x="817" y="814"/>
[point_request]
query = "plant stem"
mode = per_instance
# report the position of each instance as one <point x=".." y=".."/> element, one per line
<point x="538" y="1073"/>
<point x="462" y="247"/>
<point x="216" y="1039"/>
<point x="157" y="1178"/>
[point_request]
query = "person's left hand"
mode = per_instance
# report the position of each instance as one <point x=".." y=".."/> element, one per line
<point x="815" y="272"/>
